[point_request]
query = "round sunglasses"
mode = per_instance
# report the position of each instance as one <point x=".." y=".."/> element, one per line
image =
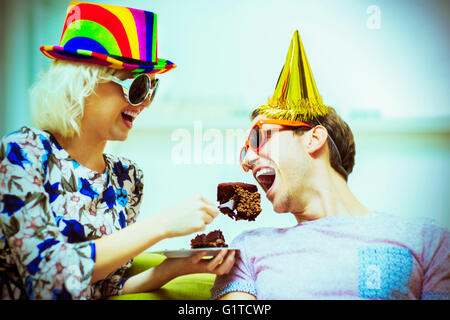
<point x="258" y="137"/>
<point x="138" y="89"/>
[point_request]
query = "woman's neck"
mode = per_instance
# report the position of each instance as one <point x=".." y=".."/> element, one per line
<point x="85" y="150"/>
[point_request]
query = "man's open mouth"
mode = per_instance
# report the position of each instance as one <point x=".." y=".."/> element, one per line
<point x="265" y="177"/>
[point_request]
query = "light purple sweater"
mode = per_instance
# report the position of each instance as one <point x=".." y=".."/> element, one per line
<point x="377" y="256"/>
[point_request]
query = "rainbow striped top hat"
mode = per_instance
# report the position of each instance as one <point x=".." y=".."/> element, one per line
<point x="112" y="36"/>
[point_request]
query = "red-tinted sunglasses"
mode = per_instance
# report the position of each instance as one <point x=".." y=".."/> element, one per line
<point x="258" y="137"/>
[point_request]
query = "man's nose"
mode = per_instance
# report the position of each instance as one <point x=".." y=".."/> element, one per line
<point x="250" y="158"/>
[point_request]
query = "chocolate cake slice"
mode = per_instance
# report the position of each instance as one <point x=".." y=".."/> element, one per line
<point x="238" y="200"/>
<point x="214" y="239"/>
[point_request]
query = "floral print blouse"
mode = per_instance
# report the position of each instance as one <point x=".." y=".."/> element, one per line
<point x="51" y="211"/>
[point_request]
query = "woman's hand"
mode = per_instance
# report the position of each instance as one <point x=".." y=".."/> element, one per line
<point x="221" y="264"/>
<point x="187" y="216"/>
<point x="154" y="278"/>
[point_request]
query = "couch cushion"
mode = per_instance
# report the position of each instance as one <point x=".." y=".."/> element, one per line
<point x="144" y="261"/>
<point x="188" y="287"/>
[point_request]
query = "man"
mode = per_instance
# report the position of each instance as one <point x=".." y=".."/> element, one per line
<point x="301" y="153"/>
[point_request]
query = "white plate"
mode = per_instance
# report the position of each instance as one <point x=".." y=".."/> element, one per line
<point x="184" y="253"/>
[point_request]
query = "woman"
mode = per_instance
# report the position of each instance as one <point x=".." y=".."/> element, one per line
<point x="67" y="210"/>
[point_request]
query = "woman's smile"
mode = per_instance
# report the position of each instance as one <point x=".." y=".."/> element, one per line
<point x="128" y="117"/>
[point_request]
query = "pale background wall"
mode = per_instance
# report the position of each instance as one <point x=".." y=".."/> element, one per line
<point x="389" y="79"/>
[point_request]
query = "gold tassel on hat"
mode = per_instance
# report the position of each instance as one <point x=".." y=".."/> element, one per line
<point x="296" y="96"/>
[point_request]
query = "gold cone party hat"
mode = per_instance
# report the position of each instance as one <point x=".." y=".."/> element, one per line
<point x="296" y="96"/>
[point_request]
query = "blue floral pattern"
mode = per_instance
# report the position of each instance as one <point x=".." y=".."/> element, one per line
<point x="51" y="211"/>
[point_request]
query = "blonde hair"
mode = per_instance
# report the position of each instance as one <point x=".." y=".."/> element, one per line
<point x="57" y="98"/>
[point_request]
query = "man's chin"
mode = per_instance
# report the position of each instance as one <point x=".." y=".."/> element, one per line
<point x="280" y="207"/>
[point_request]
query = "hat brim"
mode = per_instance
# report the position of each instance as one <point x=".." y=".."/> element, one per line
<point x="87" y="56"/>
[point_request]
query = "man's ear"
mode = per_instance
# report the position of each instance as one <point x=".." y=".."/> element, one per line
<point x="317" y="138"/>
